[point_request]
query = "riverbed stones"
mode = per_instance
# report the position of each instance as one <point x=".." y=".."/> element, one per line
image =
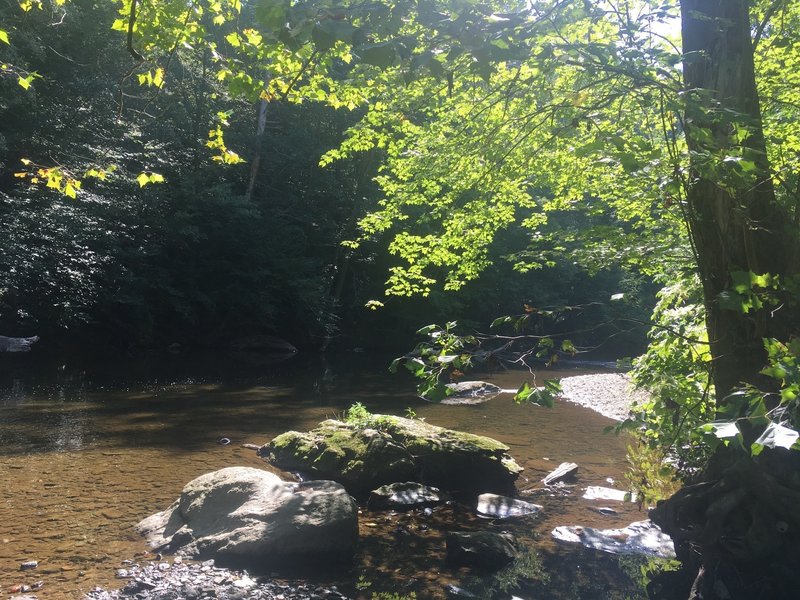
<point x="201" y="581"/>
<point x="503" y="507"/>
<point x="482" y="549"/>
<point x="406" y="495"/>
<point x="640" y="537"/>
<point x="392" y="449"/>
<point x="242" y="516"/>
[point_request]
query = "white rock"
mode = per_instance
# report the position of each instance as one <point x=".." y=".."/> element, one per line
<point x="641" y="537"/>
<point x="596" y="492"/>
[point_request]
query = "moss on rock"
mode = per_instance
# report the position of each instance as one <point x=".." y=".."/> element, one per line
<point x="391" y="449"/>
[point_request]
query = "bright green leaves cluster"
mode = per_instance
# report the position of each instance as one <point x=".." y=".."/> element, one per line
<point x="216" y="141"/>
<point x="540" y="396"/>
<point x="778" y="70"/>
<point x="56" y="178"/>
<point x="749" y="292"/>
<point x="675" y="369"/>
<point x="7" y="68"/>
<point x="154" y="78"/>
<point x="442" y="356"/>
<point x="543" y="134"/>
<point x="146" y="178"/>
<point x="773" y="417"/>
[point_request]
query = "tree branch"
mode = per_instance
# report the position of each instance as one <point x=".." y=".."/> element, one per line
<point x="131" y="22"/>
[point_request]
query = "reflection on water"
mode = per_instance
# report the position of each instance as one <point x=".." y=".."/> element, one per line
<point x="89" y="451"/>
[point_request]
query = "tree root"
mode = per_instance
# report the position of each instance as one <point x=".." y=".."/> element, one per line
<point x="737" y="531"/>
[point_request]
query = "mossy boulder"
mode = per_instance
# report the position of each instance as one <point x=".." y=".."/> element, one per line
<point x="390" y="449"/>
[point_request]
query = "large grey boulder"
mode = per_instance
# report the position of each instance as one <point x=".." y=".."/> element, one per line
<point x="242" y="516"/>
<point x="391" y="449"/>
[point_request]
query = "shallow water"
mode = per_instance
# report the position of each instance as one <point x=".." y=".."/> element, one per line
<point x="87" y="452"/>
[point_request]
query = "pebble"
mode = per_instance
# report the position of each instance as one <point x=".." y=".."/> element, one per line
<point x="29" y="564"/>
<point x="189" y="581"/>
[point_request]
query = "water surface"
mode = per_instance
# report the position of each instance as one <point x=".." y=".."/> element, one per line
<point x="89" y="451"/>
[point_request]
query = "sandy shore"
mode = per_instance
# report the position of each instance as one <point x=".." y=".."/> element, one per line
<point x="609" y="394"/>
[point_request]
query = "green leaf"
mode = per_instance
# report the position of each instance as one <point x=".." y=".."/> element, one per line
<point x="542" y="396"/>
<point x="323" y="38"/>
<point x="435" y="392"/>
<point x="327" y="33"/>
<point x="233" y="39"/>
<point x="143" y="179"/>
<point x="4" y="37"/>
<point x="380" y="55"/>
<point x="272" y="14"/>
<point x="501" y="321"/>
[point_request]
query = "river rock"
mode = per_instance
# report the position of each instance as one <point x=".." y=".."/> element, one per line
<point x="596" y="492"/>
<point x="245" y="516"/>
<point x="641" y="537"/>
<point x="566" y="470"/>
<point x="405" y="495"/>
<point x="503" y="507"/>
<point x="483" y="549"/>
<point x="470" y="392"/>
<point x="395" y="449"/>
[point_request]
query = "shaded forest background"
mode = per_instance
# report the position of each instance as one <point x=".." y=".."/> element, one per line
<point x="197" y="262"/>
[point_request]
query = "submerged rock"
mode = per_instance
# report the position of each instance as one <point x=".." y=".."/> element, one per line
<point x="395" y="449"/>
<point x="641" y="537"/>
<point x="483" y="549"/>
<point x="471" y="392"/>
<point x="503" y="507"/>
<point x="405" y="495"/>
<point x="242" y="516"/>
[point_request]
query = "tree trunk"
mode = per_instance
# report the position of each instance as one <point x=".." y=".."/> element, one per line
<point x="735" y="525"/>
<point x="735" y="222"/>
<point x="254" y="166"/>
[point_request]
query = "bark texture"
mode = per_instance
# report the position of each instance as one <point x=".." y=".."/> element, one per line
<point x="735" y="527"/>
<point x="735" y="221"/>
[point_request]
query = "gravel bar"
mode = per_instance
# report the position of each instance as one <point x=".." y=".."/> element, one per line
<point x="610" y="394"/>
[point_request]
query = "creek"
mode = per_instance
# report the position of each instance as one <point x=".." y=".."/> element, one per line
<point x="88" y="451"/>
